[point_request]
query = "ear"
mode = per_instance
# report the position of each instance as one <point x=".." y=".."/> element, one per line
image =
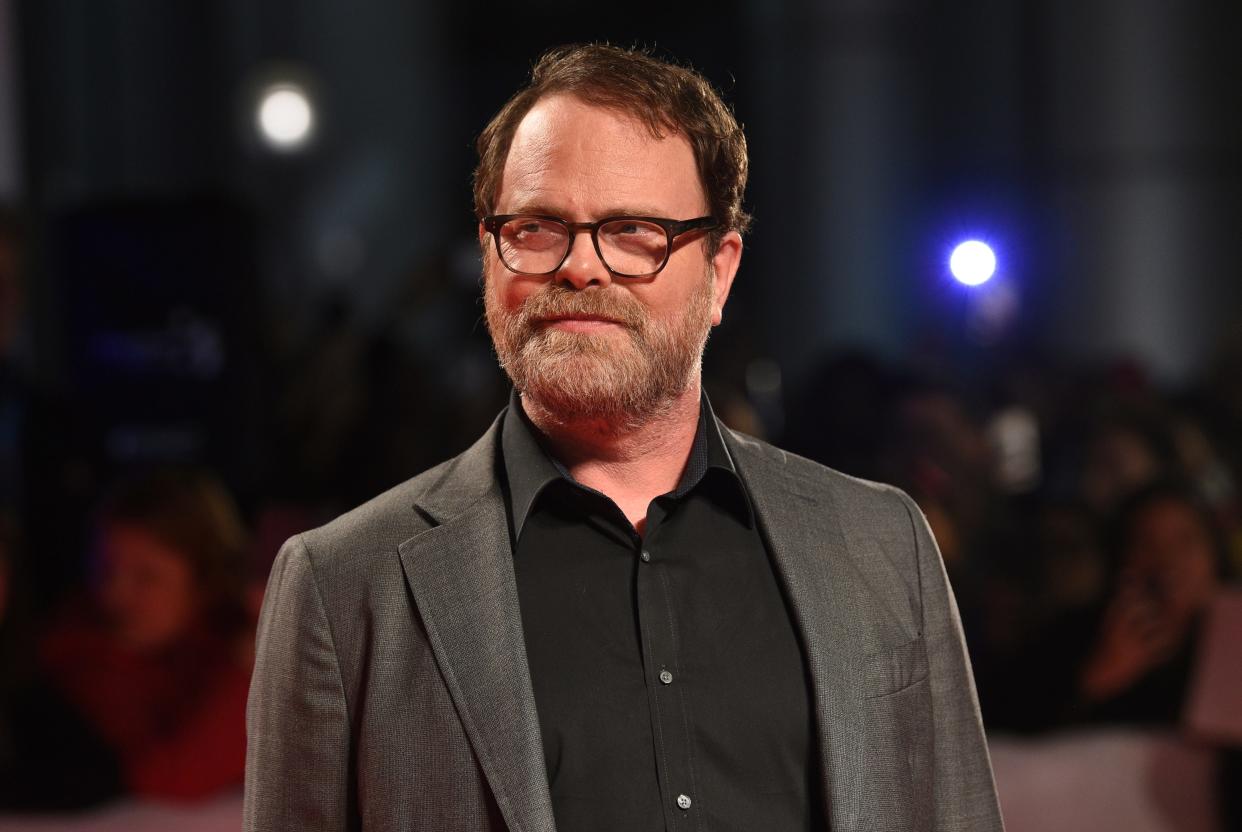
<point x="485" y="250"/>
<point x="728" y="257"/>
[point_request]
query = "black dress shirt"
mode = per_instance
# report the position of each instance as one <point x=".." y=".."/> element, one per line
<point x="669" y="680"/>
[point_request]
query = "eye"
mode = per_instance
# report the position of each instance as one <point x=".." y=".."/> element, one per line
<point x="632" y="229"/>
<point x="532" y="233"/>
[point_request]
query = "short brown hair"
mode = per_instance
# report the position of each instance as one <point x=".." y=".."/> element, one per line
<point x="189" y="510"/>
<point x="663" y="96"/>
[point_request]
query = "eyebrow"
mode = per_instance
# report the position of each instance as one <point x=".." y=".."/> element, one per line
<point x="615" y="211"/>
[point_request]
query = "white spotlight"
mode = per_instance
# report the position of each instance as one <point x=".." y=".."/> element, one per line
<point x="972" y="263"/>
<point x="285" y="117"/>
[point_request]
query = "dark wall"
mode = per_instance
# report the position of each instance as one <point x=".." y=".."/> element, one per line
<point x="1096" y="145"/>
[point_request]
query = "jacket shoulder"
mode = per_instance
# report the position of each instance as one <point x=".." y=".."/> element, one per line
<point x="850" y="493"/>
<point x="389" y="514"/>
<point x="880" y="528"/>
<point x="377" y="527"/>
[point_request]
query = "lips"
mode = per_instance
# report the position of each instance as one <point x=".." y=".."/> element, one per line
<point x="554" y="319"/>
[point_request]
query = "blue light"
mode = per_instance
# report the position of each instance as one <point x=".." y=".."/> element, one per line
<point x="973" y="263"/>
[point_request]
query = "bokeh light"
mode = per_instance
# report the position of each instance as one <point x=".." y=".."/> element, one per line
<point x="285" y="117"/>
<point x="973" y="263"/>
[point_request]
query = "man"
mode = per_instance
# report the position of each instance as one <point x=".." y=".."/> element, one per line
<point x="612" y="613"/>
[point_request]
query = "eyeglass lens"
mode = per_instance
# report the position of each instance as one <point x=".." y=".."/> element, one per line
<point x="538" y="246"/>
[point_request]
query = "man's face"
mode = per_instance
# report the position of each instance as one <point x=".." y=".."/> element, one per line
<point x="582" y="344"/>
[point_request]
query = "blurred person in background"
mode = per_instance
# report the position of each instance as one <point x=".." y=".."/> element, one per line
<point x="937" y="449"/>
<point x="157" y="661"/>
<point x="840" y="417"/>
<point x="1201" y="455"/>
<point x="1051" y="570"/>
<point x="1125" y="451"/>
<point x="1168" y="561"/>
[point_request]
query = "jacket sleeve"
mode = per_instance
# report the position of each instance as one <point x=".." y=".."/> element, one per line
<point x="298" y="767"/>
<point x="964" y="791"/>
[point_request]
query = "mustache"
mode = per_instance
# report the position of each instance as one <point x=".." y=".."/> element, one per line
<point x="559" y="302"/>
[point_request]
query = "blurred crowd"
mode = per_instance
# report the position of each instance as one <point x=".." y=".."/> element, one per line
<point x="1087" y="518"/>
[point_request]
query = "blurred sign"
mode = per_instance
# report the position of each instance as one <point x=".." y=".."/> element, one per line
<point x="160" y="322"/>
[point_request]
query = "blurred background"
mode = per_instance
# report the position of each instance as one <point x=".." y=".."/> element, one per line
<point x="239" y="293"/>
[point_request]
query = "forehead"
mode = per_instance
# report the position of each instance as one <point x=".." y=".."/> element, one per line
<point x="133" y="543"/>
<point x="585" y="161"/>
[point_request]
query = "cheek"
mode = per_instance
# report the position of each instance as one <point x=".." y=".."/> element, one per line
<point x="503" y="291"/>
<point x="169" y="603"/>
<point x="165" y="618"/>
<point x="510" y="294"/>
<point x="181" y="596"/>
<point x="119" y="590"/>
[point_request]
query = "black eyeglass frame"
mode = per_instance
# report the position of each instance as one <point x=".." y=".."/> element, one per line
<point x="672" y="230"/>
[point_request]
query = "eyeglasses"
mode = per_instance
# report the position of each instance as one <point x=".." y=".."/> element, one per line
<point x="627" y="246"/>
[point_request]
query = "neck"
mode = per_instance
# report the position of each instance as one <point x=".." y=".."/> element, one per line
<point x="632" y="464"/>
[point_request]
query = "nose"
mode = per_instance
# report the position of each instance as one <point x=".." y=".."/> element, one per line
<point x="583" y="267"/>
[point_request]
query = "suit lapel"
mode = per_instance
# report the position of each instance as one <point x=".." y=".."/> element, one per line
<point x="461" y="575"/>
<point x="797" y="518"/>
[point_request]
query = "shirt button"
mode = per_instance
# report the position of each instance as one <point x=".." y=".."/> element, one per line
<point x="666" y="677"/>
<point x="683" y="801"/>
<point x="646" y="556"/>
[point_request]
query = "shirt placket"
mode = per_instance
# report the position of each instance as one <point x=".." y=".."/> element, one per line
<point x="662" y="668"/>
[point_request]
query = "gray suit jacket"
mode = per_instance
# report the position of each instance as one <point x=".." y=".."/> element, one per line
<point x="391" y="689"/>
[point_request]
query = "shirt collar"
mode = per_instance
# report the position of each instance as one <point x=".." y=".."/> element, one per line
<point x="529" y="468"/>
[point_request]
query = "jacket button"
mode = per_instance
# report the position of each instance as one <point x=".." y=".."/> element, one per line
<point x="646" y="556"/>
<point x="666" y="677"/>
<point x="683" y="801"/>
